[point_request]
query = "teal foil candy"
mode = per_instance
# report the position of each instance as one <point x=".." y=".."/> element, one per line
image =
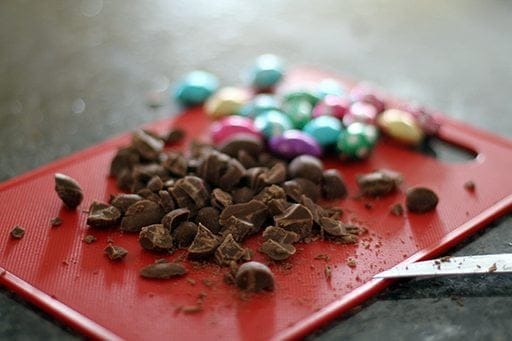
<point x="324" y="129"/>
<point x="272" y="122"/>
<point x="267" y="72"/>
<point x="196" y="88"/>
<point x="259" y="104"/>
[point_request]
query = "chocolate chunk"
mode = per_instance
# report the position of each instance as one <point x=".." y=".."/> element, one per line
<point x="184" y="234"/>
<point x="174" y="136"/>
<point x="421" y="199"/>
<point x="115" y="252"/>
<point x="307" y="167"/>
<point x="280" y="235"/>
<point x="123" y="201"/>
<point x="254" y="212"/>
<point x="253" y="178"/>
<point x="275" y="175"/>
<point x="163" y="270"/>
<point x="232" y="175"/>
<point x="212" y="166"/>
<point x="296" y="218"/>
<point x="155" y="184"/>
<point x="142" y="173"/>
<point x="124" y="160"/>
<point x="102" y="215"/>
<point x="221" y="199"/>
<point x="166" y="201"/>
<point x="333" y="186"/>
<point x="278" y="206"/>
<point x="229" y="251"/>
<point x="269" y="193"/>
<point x="125" y="179"/>
<point x="316" y="210"/>
<point x="238" y="228"/>
<point x="204" y="245"/>
<point x="333" y="227"/>
<point x="469" y="186"/>
<point x="148" y="194"/>
<point x="397" y="209"/>
<point x="251" y="144"/>
<point x="89" y="239"/>
<point x="140" y="214"/>
<point x="174" y="218"/>
<point x="277" y="251"/>
<point x="68" y="190"/>
<point x="267" y="160"/>
<point x="242" y="195"/>
<point x="155" y="238"/>
<point x="146" y="145"/>
<point x="254" y="277"/>
<point x="198" y="149"/>
<point x="182" y="199"/>
<point x="17" y="232"/>
<point x="297" y="187"/>
<point x="209" y="217"/>
<point x="378" y="183"/>
<point x="246" y="159"/>
<point x="56" y="221"/>
<point x="175" y="163"/>
<point x="332" y="212"/>
<point x="195" y="188"/>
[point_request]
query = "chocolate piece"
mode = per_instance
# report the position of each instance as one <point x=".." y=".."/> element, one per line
<point x="267" y="160"/>
<point x="182" y="199"/>
<point x="246" y="159"/>
<point x="316" y="211"/>
<point x="381" y="182"/>
<point x="254" y="277"/>
<point x="209" y="217"/>
<point x="253" y="177"/>
<point x="296" y="218"/>
<point x="140" y="214"/>
<point x="254" y="212"/>
<point x="397" y="209"/>
<point x="238" y="228"/>
<point x="204" y="245"/>
<point x="232" y="175"/>
<point x="155" y="184"/>
<point x="56" y="221"/>
<point x="297" y="187"/>
<point x="333" y="186"/>
<point x="68" y="190"/>
<point x="166" y="201"/>
<point x="174" y="136"/>
<point x="306" y="166"/>
<point x="142" y="173"/>
<point x="155" y="238"/>
<point x="275" y="175"/>
<point x="123" y="201"/>
<point x="123" y="161"/>
<point x="125" y="179"/>
<point x="146" y="145"/>
<point x="162" y="270"/>
<point x="221" y="199"/>
<point x="341" y="232"/>
<point x="332" y="212"/>
<point x="89" y="239"/>
<point x="469" y="186"/>
<point x="278" y="206"/>
<point x="102" y="215"/>
<point x="280" y="235"/>
<point x="195" y="188"/>
<point x="251" y="144"/>
<point x="229" y="251"/>
<point x="175" y="163"/>
<point x="277" y="251"/>
<point x="17" y="232"/>
<point x="148" y="194"/>
<point x="174" y="218"/>
<point x="184" y="234"/>
<point x="269" y="193"/>
<point x="115" y="252"/>
<point x="242" y="195"/>
<point x="421" y="199"/>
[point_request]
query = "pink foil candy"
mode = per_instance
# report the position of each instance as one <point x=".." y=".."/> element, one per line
<point x="332" y="105"/>
<point x="364" y="93"/>
<point x="227" y="127"/>
<point x="363" y="112"/>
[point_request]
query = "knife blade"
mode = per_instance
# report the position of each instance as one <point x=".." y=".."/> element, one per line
<point x="466" y="265"/>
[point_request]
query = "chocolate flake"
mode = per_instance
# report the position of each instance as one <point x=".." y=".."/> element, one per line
<point x="162" y="270"/>
<point x="56" y="221"/>
<point x="89" y="239"/>
<point x="115" y="252"/>
<point x="17" y="232"/>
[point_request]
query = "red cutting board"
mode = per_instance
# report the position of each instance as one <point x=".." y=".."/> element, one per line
<point x="75" y="282"/>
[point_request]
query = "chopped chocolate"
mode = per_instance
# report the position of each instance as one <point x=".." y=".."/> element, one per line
<point x="182" y="199"/>
<point x="332" y="212"/>
<point x="125" y="179"/>
<point x="204" y="245"/>
<point x="195" y="188"/>
<point x="102" y="215"/>
<point x="174" y="218"/>
<point x="351" y="262"/>
<point x="297" y="187"/>
<point x="254" y="212"/>
<point x="275" y="175"/>
<point x="270" y="192"/>
<point x="123" y="161"/>
<point x="140" y="214"/>
<point x="278" y="206"/>
<point x="251" y="144"/>
<point x="333" y="185"/>
<point x="174" y="136"/>
<point x="253" y="177"/>
<point x="89" y="239"/>
<point x="238" y="228"/>
<point x="163" y="270"/>
<point x="379" y="183"/>
<point x="166" y="201"/>
<point x="156" y="238"/>
<point x="254" y="277"/>
<point x="142" y="173"/>
<point x="232" y="176"/>
<point x="115" y="252"/>
<point x="277" y="251"/>
<point x="146" y="145"/>
<point x="221" y="199"/>
<point x="68" y="190"/>
<point x="184" y="234"/>
<point x="421" y="199"/>
<point x="267" y="160"/>
<point x="397" y="210"/>
<point x="229" y="251"/>
<point x="306" y="166"/>
<point x="175" y="163"/>
<point x="209" y="217"/>
<point x="333" y="227"/>
<point x="17" y="232"/>
<point x="123" y="201"/>
<point x="155" y="184"/>
<point x="297" y="218"/>
<point x="242" y="195"/>
<point x="246" y="159"/>
<point x="148" y="194"/>
<point x="470" y="186"/>
<point x="280" y="235"/>
<point x="211" y="165"/>
<point x="56" y="221"/>
<point x="316" y="211"/>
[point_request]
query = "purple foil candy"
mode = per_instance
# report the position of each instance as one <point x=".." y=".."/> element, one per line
<point x="294" y="143"/>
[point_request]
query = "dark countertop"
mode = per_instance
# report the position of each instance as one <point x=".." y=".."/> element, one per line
<point x="76" y="73"/>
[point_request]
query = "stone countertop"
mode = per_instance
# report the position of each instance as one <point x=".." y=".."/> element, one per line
<point x="74" y="73"/>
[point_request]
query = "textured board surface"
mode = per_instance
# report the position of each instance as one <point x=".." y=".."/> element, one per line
<point x="75" y="281"/>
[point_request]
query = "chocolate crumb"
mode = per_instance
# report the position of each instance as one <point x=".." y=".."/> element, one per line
<point x="89" y="239"/>
<point x="351" y="262"/>
<point x="470" y="186"/>
<point x="191" y="281"/>
<point x="56" y="221"/>
<point x="191" y="309"/>
<point x="328" y="272"/>
<point x="17" y="232"/>
<point x="323" y="257"/>
<point x="397" y="210"/>
<point x="115" y="252"/>
<point x="162" y="270"/>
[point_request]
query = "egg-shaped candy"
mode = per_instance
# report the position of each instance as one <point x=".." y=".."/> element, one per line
<point x="329" y="86"/>
<point x="363" y="112"/>
<point x="226" y="101"/>
<point x="293" y="143"/>
<point x="268" y="70"/>
<point x="299" y="112"/>
<point x="259" y="104"/>
<point x="229" y="126"/>
<point x="196" y="88"/>
<point x="301" y="95"/>
<point x="401" y="126"/>
<point x="364" y="93"/>
<point x="357" y="141"/>
<point x="332" y="105"/>
<point x="272" y="122"/>
<point x="324" y="129"/>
